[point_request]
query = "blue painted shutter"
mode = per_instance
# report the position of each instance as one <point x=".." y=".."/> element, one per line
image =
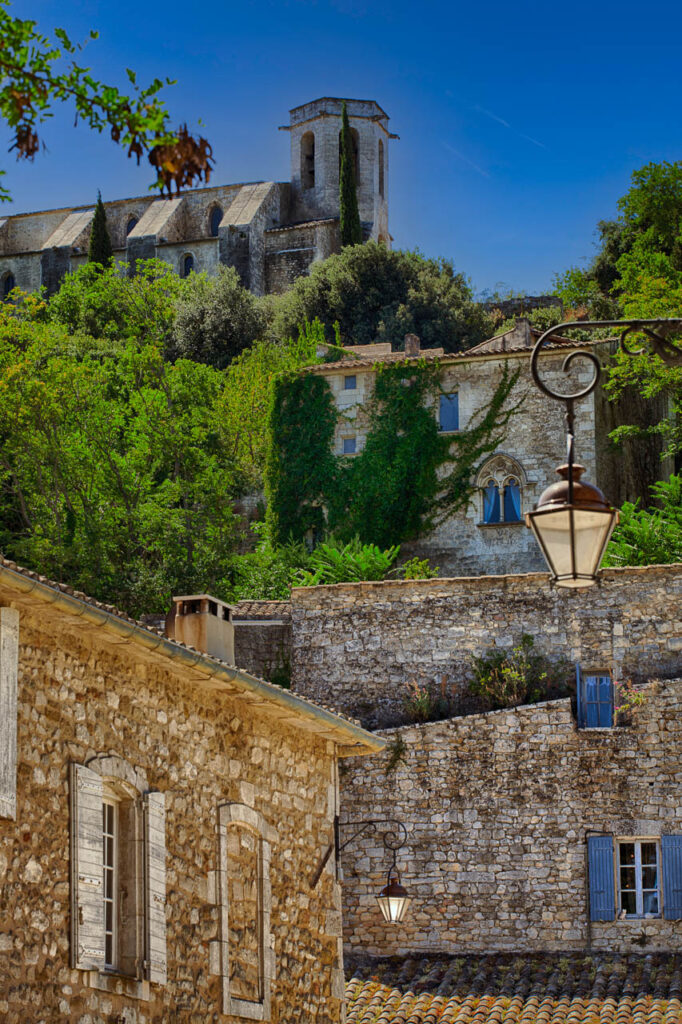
<point x="579" y="696"/>
<point x="671" y="859"/>
<point x="605" y="691"/>
<point x="600" y="861"/>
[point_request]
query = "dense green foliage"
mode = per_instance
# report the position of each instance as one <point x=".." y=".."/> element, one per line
<point x="650" y="536"/>
<point x="216" y="319"/>
<point x="111" y="475"/>
<point x="36" y="72"/>
<point x="99" y="249"/>
<point x="407" y="477"/>
<point x="110" y="305"/>
<point x="349" y="216"/>
<point x="380" y="294"/>
<point x="334" y="562"/>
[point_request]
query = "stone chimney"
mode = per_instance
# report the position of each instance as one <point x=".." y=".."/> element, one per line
<point x="203" y="622"/>
<point x="412" y="345"/>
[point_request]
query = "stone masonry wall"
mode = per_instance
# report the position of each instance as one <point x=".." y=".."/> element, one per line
<point x="80" y="696"/>
<point x="497" y="808"/>
<point x="359" y="645"/>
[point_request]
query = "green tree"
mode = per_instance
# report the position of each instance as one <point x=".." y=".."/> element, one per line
<point x="99" y="249"/>
<point x="216" y="319"/>
<point x="112" y="475"/>
<point x="378" y="294"/>
<point x="113" y="306"/>
<point x="349" y="216"/>
<point x="37" y="72"/>
<point x="650" y="536"/>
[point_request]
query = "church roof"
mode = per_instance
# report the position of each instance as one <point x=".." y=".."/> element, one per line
<point x="564" y="988"/>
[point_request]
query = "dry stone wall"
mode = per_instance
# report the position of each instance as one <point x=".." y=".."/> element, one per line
<point x="497" y="808"/>
<point x="79" y="698"/>
<point x="360" y="645"/>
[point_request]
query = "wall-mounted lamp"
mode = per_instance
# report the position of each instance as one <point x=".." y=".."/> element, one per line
<point x="573" y="521"/>
<point x="393" y="898"/>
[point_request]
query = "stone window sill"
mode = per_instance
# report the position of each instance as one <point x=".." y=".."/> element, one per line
<point x="119" y="984"/>
<point x="502" y="525"/>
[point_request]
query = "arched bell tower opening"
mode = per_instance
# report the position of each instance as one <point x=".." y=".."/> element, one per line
<point x="314" y="135"/>
<point x="308" y="161"/>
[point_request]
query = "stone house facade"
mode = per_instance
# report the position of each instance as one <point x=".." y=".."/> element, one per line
<point x="161" y="814"/>
<point x="490" y="535"/>
<point x="271" y="232"/>
<point x="535" y="828"/>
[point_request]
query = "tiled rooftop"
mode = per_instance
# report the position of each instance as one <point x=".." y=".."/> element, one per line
<point x="548" y="988"/>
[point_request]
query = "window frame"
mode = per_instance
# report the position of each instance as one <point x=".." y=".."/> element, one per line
<point x="639" y="889"/>
<point x="344" y="450"/>
<point x="448" y="395"/>
<point x="583" y="705"/>
<point x="241" y="815"/>
<point x="354" y="385"/>
<point x="110" y="799"/>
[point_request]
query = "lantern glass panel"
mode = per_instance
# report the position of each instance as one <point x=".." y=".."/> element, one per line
<point x="573" y="541"/>
<point x="393" y="908"/>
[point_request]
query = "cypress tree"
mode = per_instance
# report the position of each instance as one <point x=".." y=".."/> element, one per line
<point x="99" y="250"/>
<point x="351" y="231"/>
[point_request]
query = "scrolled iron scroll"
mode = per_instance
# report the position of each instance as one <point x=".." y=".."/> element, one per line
<point x="668" y="352"/>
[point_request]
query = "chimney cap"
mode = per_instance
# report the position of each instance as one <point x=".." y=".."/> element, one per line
<point x="201" y="597"/>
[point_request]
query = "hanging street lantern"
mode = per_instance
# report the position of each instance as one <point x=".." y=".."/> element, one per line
<point x="573" y="522"/>
<point x="393" y="899"/>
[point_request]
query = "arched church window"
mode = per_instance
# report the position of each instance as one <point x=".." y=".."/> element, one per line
<point x="381" y="169"/>
<point x="8" y="283"/>
<point x="308" y="160"/>
<point x="500" y="481"/>
<point x="355" y="142"/>
<point x="512" y="501"/>
<point x="130" y="225"/>
<point x="214" y="221"/>
<point x="187" y="265"/>
<point x="491" y="503"/>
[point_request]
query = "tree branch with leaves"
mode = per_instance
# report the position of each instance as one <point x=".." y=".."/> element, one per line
<point x="38" y="72"/>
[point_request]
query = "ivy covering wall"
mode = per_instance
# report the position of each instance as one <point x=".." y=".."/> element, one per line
<point x="408" y="477"/>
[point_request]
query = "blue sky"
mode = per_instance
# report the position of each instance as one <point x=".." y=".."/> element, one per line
<point x="519" y="124"/>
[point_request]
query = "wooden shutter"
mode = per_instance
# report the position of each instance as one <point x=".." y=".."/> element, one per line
<point x="155" y="886"/>
<point x="579" y="697"/>
<point x="9" y="665"/>
<point x="671" y="863"/>
<point x="87" y="900"/>
<point x="602" y="894"/>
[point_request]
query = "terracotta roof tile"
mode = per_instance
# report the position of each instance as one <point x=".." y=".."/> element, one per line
<point x="262" y="610"/>
<point x="548" y="988"/>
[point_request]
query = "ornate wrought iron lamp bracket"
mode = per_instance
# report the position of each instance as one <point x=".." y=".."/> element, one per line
<point x="394" y="836"/>
<point x="656" y="332"/>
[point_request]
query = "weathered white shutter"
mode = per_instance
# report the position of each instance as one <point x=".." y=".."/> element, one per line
<point x="155" y="886"/>
<point x="87" y="898"/>
<point x="9" y="665"/>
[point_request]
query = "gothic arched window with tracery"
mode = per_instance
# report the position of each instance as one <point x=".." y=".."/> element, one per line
<point x="500" y="483"/>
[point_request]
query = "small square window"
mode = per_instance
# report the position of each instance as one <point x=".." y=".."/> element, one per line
<point x="449" y="412"/>
<point x="350" y="383"/>
<point x="349" y="446"/>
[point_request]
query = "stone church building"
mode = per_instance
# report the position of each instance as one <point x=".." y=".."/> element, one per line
<point x="270" y="231"/>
